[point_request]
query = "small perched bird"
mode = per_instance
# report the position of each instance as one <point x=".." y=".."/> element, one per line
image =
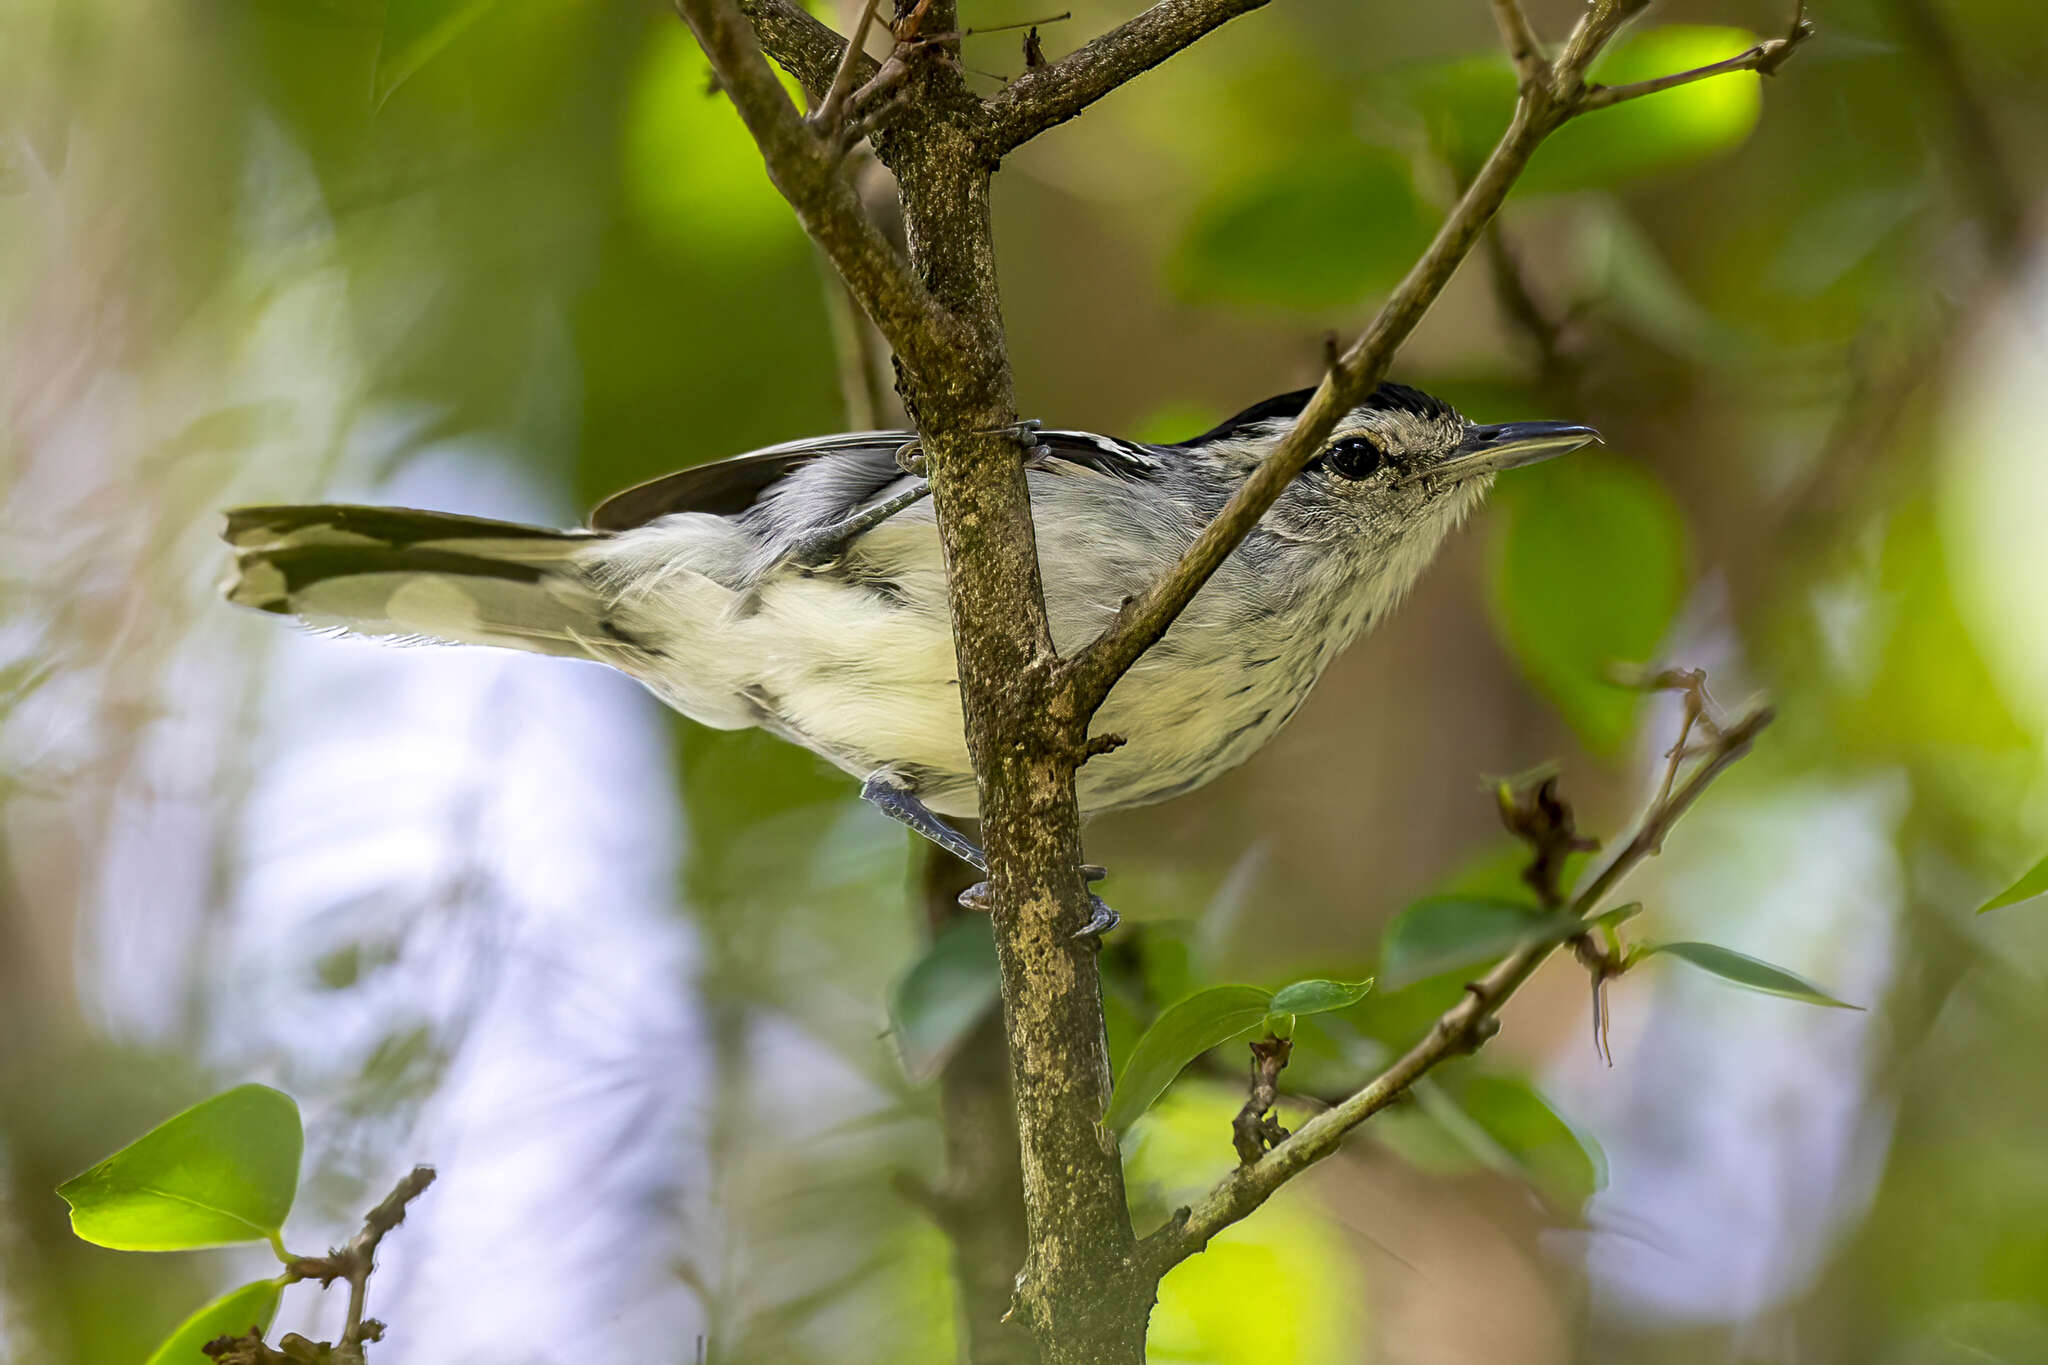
<point x="801" y="588"/>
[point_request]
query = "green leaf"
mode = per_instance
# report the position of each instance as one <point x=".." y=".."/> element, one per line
<point x="1317" y="234"/>
<point x="223" y="1171"/>
<point x="1747" y="971"/>
<point x="1183" y="1032"/>
<point x="230" y="1315"/>
<point x="1317" y="996"/>
<point x="416" y="32"/>
<point x="1588" y="569"/>
<point x="1564" y="1164"/>
<point x="2033" y="883"/>
<point x="944" y="995"/>
<point x="1441" y="934"/>
<point x="1464" y="105"/>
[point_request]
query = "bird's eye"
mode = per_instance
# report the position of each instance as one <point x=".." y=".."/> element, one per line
<point x="1354" y="457"/>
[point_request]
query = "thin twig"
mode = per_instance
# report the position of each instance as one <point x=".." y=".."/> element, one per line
<point x="1462" y="1028"/>
<point x="358" y="1258"/>
<point x="833" y="107"/>
<point x="801" y="44"/>
<point x="1045" y="97"/>
<point x="1063" y="15"/>
<point x="1525" y="49"/>
<point x="1764" y="59"/>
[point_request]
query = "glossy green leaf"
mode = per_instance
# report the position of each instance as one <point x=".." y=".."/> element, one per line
<point x="1315" y="996"/>
<point x="1746" y="971"/>
<point x="1317" y="234"/>
<point x="417" y="31"/>
<point x="1588" y="570"/>
<point x="944" y="995"/>
<point x="1464" y="105"/>
<point x="2034" y="883"/>
<point x="223" y="1171"/>
<point x="230" y="1315"/>
<point x="1183" y="1032"/>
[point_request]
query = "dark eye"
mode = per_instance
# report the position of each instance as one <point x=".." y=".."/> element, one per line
<point x="1354" y="457"/>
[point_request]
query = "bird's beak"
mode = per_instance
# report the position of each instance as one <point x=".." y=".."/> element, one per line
<point x="1509" y="445"/>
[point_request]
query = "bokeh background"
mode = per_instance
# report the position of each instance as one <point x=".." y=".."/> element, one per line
<point x="627" y="982"/>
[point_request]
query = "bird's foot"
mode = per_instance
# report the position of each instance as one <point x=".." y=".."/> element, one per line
<point x="1101" y="919"/>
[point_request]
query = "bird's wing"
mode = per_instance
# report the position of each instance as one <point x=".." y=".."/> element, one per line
<point x="729" y="487"/>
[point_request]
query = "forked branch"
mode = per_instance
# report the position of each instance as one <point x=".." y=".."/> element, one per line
<point x="1764" y="59"/>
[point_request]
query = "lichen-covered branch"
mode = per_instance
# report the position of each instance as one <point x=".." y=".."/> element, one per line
<point x="1050" y="95"/>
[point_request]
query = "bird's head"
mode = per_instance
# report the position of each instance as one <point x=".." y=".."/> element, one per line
<point x="1398" y="473"/>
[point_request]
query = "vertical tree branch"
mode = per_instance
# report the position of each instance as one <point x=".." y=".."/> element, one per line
<point x="1077" y="1293"/>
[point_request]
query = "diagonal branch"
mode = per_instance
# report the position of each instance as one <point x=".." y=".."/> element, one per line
<point x="1544" y="106"/>
<point x="1145" y="618"/>
<point x="805" y="47"/>
<point x="806" y="169"/>
<point x="1461" y="1029"/>
<point x="1049" y="96"/>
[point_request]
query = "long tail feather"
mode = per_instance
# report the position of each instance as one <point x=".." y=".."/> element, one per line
<point x="399" y="573"/>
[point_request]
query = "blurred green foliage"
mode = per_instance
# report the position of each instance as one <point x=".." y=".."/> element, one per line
<point x="241" y="241"/>
<point x="1589" y="571"/>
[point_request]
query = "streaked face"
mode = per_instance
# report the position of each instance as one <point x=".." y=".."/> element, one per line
<point x="1403" y="469"/>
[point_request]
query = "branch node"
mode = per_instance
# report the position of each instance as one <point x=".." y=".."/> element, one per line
<point x="1255" y="1131"/>
<point x="1539" y="817"/>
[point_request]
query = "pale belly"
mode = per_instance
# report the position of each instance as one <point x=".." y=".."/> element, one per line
<point x="864" y="675"/>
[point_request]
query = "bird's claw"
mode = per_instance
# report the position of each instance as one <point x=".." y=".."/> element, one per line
<point x="1101" y="919"/>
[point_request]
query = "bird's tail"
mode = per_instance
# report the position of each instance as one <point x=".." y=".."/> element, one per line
<point x="399" y="573"/>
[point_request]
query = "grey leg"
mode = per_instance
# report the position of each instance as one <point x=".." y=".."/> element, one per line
<point x="827" y="541"/>
<point x="901" y="804"/>
<point x="898" y="803"/>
